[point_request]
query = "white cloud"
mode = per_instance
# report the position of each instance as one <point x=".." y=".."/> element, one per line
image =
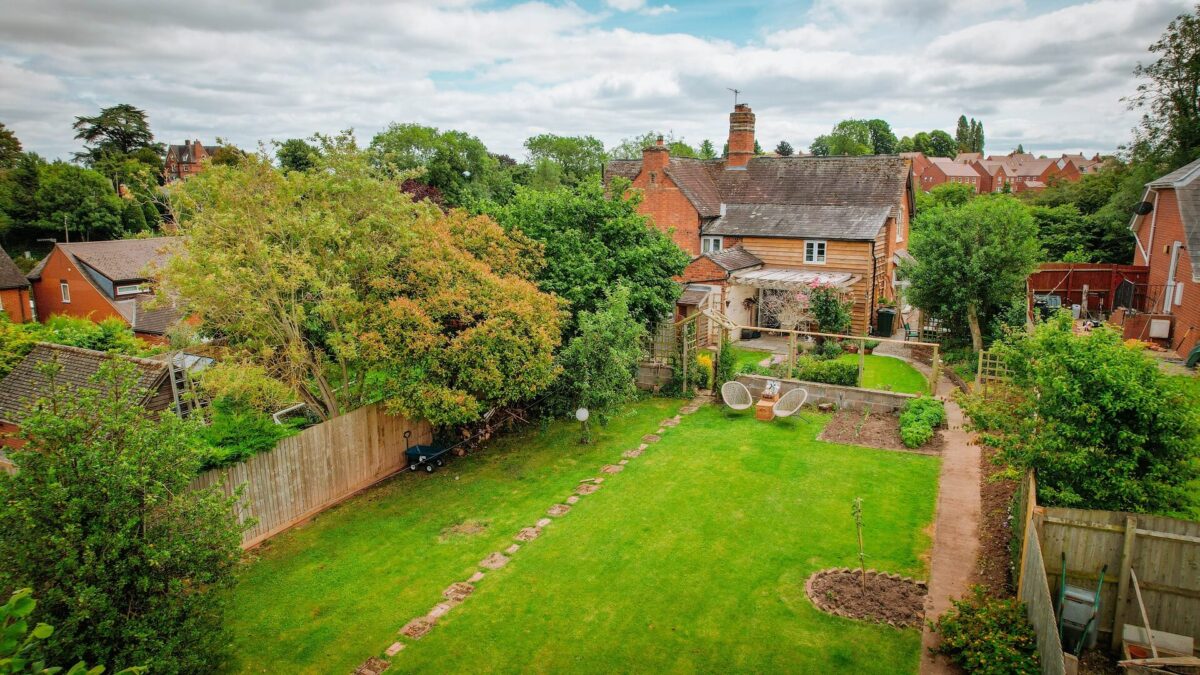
<point x="257" y="71"/>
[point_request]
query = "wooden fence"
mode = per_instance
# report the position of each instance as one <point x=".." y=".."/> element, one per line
<point x="315" y="469"/>
<point x="1164" y="552"/>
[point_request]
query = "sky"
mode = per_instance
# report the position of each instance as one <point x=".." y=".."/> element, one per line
<point x="1046" y="74"/>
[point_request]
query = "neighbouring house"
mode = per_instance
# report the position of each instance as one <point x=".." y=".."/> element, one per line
<point x="1167" y="228"/>
<point x="919" y="163"/>
<point x="186" y="159"/>
<point x="968" y="157"/>
<point x="1036" y="174"/>
<point x="14" y="291"/>
<point x="944" y="170"/>
<point x="758" y="225"/>
<point x="993" y="176"/>
<point x="97" y="280"/>
<point x="1084" y="164"/>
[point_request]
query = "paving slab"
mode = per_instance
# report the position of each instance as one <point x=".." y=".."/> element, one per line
<point x="558" y="510"/>
<point x="494" y="561"/>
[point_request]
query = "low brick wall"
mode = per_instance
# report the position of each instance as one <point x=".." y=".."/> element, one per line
<point x="652" y="377"/>
<point x="852" y="398"/>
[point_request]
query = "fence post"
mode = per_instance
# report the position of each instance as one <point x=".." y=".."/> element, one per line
<point x="1026" y="523"/>
<point x="979" y="371"/>
<point x="791" y="353"/>
<point x="683" y="332"/>
<point x="1118" y="627"/>
<point x="937" y="368"/>
<point x="862" y="359"/>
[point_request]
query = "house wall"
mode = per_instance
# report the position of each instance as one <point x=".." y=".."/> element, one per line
<point x="86" y="301"/>
<point x="15" y="303"/>
<point x="669" y="209"/>
<point x="855" y="257"/>
<point x="1168" y="228"/>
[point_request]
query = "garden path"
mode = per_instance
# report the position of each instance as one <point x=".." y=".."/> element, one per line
<point x="956" y="526"/>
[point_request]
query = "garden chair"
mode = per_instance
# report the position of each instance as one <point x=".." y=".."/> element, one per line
<point x="790" y="403"/>
<point x="736" y="395"/>
<point x="910" y="333"/>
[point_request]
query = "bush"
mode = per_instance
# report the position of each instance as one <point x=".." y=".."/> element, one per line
<point x="989" y="635"/>
<point x="840" y="373"/>
<point x="829" y="349"/>
<point x="237" y="433"/>
<point x="754" y="369"/>
<point x="726" y="364"/>
<point x="920" y="418"/>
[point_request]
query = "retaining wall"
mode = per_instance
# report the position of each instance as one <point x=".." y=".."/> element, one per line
<point x="852" y="398"/>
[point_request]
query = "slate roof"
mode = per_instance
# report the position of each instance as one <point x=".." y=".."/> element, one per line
<point x="1187" y="194"/>
<point x="120" y="259"/>
<point x="26" y="383"/>
<point x="153" y="320"/>
<point x="697" y="184"/>
<point x="733" y="259"/>
<point x="800" y="221"/>
<point x="693" y="294"/>
<point x="625" y="168"/>
<point x="10" y="275"/>
<point x="184" y="152"/>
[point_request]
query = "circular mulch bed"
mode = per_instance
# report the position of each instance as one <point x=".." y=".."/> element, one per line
<point x="890" y="598"/>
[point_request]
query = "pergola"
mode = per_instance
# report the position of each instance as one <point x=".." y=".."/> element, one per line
<point x="784" y="279"/>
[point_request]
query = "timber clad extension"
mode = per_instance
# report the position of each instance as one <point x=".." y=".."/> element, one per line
<point x="839" y="220"/>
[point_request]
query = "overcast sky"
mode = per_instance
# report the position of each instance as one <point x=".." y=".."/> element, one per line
<point x="1046" y="74"/>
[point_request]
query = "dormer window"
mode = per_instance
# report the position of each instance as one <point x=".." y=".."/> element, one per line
<point x="130" y="289"/>
<point x="710" y="244"/>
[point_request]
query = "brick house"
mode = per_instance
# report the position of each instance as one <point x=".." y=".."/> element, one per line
<point x="185" y="160"/>
<point x="919" y="163"/>
<point x="1035" y="174"/>
<point x="1168" y="242"/>
<point x="968" y="157"/>
<point x="943" y="170"/>
<point x="97" y="280"/>
<point x="757" y="225"/>
<point x="14" y="291"/>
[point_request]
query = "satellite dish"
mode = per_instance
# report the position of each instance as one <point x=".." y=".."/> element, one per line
<point x="1143" y="208"/>
<point x="582" y="414"/>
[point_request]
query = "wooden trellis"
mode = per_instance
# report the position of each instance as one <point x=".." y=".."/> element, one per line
<point x="991" y="371"/>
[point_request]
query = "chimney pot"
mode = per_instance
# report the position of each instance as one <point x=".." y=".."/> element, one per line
<point x="741" y="136"/>
<point x="659" y="142"/>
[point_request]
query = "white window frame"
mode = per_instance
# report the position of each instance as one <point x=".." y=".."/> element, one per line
<point x="899" y="230"/>
<point x="712" y="244"/>
<point x="814" y="258"/>
<point x="137" y="288"/>
<point x="65" y="289"/>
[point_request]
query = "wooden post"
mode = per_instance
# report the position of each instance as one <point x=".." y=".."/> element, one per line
<point x="862" y="359"/>
<point x="791" y="360"/>
<point x="1123" y="582"/>
<point x="979" y="371"/>
<point x="1137" y="592"/>
<point x="1026" y="523"/>
<point x="684" y="336"/>
<point x="937" y="367"/>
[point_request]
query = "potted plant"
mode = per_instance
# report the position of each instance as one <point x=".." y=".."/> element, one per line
<point x="849" y="346"/>
<point x="870" y="345"/>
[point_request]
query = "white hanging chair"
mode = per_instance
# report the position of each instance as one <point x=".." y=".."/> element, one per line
<point x="790" y="403"/>
<point x="736" y="395"/>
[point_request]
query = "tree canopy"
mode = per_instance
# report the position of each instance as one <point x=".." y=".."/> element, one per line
<point x="971" y="260"/>
<point x="78" y="200"/>
<point x="969" y="135"/>
<point x="575" y="158"/>
<point x="593" y="240"/>
<point x="1169" y="96"/>
<point x="784" y="149"/>
<point x="10" y="148"/>
<point x="455" y="162"/>
<point x="856" y="137"/>
<point x="295" y="154"/>
<point x="128" y="562"/>
<point x="118" y="130"/>
<point x="337" y="284"/>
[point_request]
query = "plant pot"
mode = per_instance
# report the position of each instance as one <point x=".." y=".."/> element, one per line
<point x="869" y="350"/>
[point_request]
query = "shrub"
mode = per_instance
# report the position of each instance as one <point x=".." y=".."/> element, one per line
<point x="705" y="371"/>
<point x="237" y="433"/>
<point x="871" y="344"/>
<point x="989" y="636"/>
<point x="829" y="349"/>
<point x="726" y="364"/>
<point x="921" y="416"/>
<point x="841" y="373"/>
<point x="753" y="369"/>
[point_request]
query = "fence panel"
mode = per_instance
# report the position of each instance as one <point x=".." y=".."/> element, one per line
<point x="1039" y="607"/>
<point x="315" y="469"/>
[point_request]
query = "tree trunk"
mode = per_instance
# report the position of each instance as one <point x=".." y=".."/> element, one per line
<point x="976" y="333"/>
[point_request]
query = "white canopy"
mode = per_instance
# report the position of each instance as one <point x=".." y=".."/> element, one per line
<point x="786" y="279"/>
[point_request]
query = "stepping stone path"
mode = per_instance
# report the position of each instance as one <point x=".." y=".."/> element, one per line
<point x="623" y="462"/>
<point x="630" y="454"/>
<point x="660" y="431"/>
<point x="673" y="422"/>
<point x="494" y="561"/>
<point x="573" y="499"/>
<point x="439" y="610"/>
<point x="612" y="468"/>
<point x="417" y="628"/>
<point x="528" y="534"/>
<point x="458" y="591"/>
<point x="558" y="510"/>
<point x="372" y="666"/>
<point x="651" y="438"/>
<point x="512" y="549"/>
<point x="587" y="488"/>
<point x="476" y="578"/>
<point x="643" y="446"/>
<point x="544" y="522"/>
<point x="394" y="649"/>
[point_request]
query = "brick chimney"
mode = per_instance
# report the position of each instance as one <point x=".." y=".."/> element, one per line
<point x="741" y="136"/>
<point x="655" y="157"/>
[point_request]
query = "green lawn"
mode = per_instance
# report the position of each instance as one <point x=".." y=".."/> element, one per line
<point x="890" y="373"/>
<point x="748" y="357"/>
<point x="692" y="559"/>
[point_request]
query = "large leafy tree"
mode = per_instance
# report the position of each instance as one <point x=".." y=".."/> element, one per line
<point x="128" y="562"/>
<point x="856" y="137"/>
<point x="706" y="150"/>
<point x="784" y="149"/>
<point x="81" y="202"/>
<point x="631" y="148"/>
<point x="1170" y="94"/>
<point x="1100" y="423"/>
<point x="10" y="148"/>
<point x="18" y="192"/>
<point x="972" y="260"/>
<point x="336" y="283"/>
<point x="455" y="162"/>
<point x="295" y="154"/>
<point x="594" y="240"/>
<point x="120" y="130"/>
<point x="883" y="139"/>
<point x="575" y="157"/>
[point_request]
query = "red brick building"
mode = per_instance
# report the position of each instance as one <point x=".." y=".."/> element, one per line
<point x="761" y="224"/>
<point x="943" y="170"/>
<point x="1168" y="241"/>
<point x="14" y="291"/>
<point x="97" y="280"/>
<point x="993" y="176"/>
<point x="186" y="159"/>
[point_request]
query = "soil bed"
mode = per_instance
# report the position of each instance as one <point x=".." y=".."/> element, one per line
<point x="874" y="430"/>
<point x="891" y="599"/>
<point x="995" y="526"/>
